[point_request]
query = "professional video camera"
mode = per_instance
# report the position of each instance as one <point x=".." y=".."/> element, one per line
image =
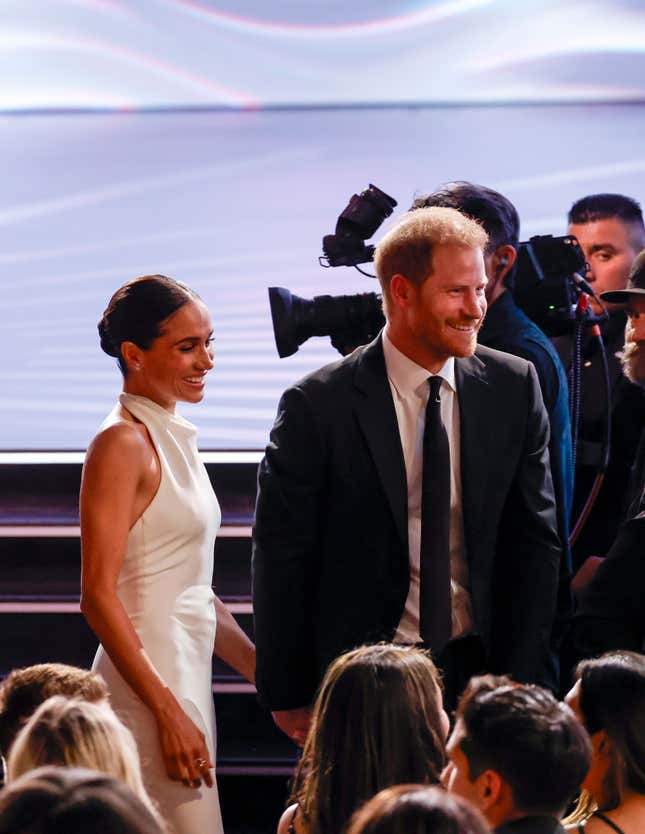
<point x="349" y="320"/>
<point x="548" y="283"/>
<point x="363" y="215"/>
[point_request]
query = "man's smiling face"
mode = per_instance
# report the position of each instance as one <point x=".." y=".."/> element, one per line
<point x="445" y="312"/>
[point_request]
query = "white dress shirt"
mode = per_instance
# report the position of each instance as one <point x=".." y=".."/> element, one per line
<point x="410" y="392"/>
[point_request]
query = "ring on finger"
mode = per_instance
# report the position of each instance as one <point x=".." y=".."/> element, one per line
<point x="200" y="763"/>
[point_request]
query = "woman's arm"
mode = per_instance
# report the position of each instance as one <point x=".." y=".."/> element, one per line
<point x="118" y="462"/>
<point x="231" y="643"/>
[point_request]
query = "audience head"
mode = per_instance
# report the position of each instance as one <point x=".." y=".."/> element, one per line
<point x="75" y="733"/>
<point x="417" y="809"/>
<point x="610" y="230"/>
<point x="378" y="720"/>
<point x="515" y="750"/>
<point x="23" y="690"/>
<point x="609" y="699"/>
<point x="496" y="214"/>
<point x="54" y="800"/>
<point x="136" y="313"/>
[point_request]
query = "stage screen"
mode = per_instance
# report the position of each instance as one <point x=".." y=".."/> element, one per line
<point x="217" y="142"/>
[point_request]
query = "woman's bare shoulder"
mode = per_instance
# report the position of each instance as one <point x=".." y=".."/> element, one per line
<point x="289" y="817"/>
<point x="120" y="437"/>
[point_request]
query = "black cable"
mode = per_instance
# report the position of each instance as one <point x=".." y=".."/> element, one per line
<point x="606" y="443"/>
<point x="362" y="271"/>
<point x="575" y="385"/>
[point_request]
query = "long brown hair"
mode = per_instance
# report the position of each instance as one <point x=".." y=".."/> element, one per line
<point x="612" y="698"/>
<point x="376" y="723"/>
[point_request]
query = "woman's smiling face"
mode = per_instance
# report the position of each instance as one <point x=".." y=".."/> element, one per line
<point x="173" y="369"/>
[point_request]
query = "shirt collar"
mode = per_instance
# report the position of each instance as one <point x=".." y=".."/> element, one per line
<point x="406" y="376"/>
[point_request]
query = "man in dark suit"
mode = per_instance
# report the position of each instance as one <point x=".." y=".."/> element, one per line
<point x="517" y="754"/>
<point x="349" y="549"/>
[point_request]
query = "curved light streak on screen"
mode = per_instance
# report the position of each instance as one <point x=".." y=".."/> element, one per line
<point x="121" y="60"/>
<point x="195" y="53"/>
<point x="388" y="24"/>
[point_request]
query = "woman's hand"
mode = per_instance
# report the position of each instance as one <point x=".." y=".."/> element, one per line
<point x="294" y="722"/>
<point x="183" y="747"/>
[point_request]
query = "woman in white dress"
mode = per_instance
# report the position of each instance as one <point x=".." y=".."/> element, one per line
<point x="149" y="517"/>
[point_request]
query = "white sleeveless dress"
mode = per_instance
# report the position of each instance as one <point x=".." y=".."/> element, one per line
<point x="165" y="586"/>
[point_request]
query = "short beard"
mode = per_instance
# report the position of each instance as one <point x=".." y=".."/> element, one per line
<point x="633" y="361"/>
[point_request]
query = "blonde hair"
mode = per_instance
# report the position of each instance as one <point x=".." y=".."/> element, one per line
<point x="407" y="248"/>
<point x="70" y="732"/>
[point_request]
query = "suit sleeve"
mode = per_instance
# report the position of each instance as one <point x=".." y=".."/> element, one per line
<point x="286" y="539"/>
<point x="532" y="552"/>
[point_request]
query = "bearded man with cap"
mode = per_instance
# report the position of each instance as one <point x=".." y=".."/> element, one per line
<point x="611" y="614"/>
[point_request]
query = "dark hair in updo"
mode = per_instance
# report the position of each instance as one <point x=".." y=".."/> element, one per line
<point x="136" y="311"/>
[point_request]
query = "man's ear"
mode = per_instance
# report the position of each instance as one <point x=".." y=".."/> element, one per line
<point x="401" y="289"/>
<point x="498" y="265"/>
<point x="502" y="261"/>
<point x="490" y="787"/>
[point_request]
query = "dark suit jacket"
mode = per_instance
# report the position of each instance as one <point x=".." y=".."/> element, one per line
<point x="330" y="550"/>
<point x="536" y="824"/>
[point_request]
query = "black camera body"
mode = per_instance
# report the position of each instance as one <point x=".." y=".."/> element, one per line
<point x="548" y="281"/>
<point x="358" y="222"/>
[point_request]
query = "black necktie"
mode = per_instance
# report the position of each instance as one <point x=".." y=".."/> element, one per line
<point x="435" y="624"/>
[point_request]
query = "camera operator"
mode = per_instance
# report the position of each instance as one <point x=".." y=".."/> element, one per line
<point x="507" y="328"/>
<point x="611" y="614"/>
<point x="610" y="230"/>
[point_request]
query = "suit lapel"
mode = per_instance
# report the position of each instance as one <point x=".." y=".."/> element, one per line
<point x="377" y="418"/>
<point x="475" y="405"/>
